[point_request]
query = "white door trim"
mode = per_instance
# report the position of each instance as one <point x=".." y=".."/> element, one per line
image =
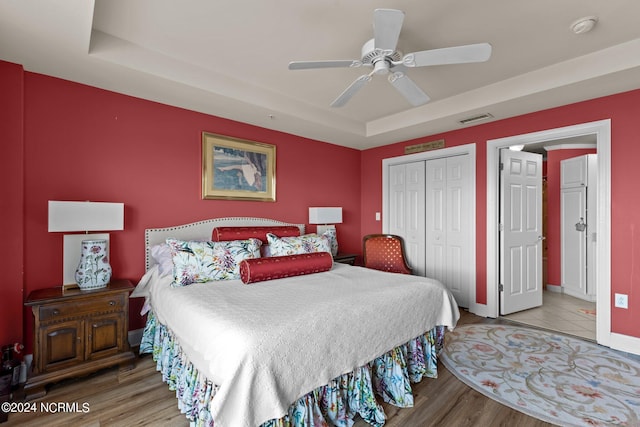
<point x="469" y="149"/>
<point x="602" y="130"/>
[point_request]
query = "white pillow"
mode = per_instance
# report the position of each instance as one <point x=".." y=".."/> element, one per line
<point x="162" y="255"/>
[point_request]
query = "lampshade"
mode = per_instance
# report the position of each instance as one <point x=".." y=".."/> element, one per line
<point x="325" y="215"/>
<point x="85" y="216"/>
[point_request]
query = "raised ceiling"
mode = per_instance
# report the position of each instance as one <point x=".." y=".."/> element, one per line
<point x="229" y="58"/>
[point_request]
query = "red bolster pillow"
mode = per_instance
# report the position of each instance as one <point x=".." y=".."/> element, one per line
<point x="220" y="234"/>
<point x="260" y="269"/>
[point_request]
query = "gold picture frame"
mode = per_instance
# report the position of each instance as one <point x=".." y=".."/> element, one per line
<point x="236" y="169"/>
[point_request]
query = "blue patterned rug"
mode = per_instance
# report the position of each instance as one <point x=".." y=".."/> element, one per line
<point x="552" y="377"/>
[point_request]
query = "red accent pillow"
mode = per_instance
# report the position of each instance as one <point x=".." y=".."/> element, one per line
<point x="220" y="234"/>
<point x="277" y="267"/>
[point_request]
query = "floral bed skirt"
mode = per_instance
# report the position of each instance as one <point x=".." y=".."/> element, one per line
<point x="336" y="403"/>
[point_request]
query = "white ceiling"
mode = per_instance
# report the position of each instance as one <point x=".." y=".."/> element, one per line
<point x="229" y="58"/>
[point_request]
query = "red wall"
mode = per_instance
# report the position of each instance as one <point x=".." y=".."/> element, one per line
<point x="11" y="202"/>
<point x="554" y="241"/>
<point x="83" y="143"/>
<point x="623" y="110"/>
<point x="66" y="141"/>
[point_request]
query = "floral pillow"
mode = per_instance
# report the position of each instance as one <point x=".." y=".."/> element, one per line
<point x="305" y="244"/>
<point x="199" y="262"/>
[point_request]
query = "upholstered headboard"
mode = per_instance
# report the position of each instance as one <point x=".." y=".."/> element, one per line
<point x="201" y="230"/>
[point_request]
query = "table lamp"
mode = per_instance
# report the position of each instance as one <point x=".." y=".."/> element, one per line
<point x="326" y="217"/>
<point x="85" y="256"/>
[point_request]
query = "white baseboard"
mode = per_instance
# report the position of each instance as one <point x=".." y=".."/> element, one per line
<point x="625" y="343"/>
<point x="135" y="337"/>
<point x="480" y="310"/>
<point x="568" y="291"/>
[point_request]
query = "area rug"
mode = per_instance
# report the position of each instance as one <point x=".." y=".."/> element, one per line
<point x="552" y="377"/>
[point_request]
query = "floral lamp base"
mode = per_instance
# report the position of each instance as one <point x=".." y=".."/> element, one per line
<point x="94" y="270"/>
<point x="330" y="232"/>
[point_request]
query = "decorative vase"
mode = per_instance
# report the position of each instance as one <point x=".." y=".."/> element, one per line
<point x="94" y="270"/>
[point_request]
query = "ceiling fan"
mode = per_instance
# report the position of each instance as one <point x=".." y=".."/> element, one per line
<point x="382" y="55"/>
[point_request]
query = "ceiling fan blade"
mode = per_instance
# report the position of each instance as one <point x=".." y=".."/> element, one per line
<point x="306" y="65"/>
<point x="387" y="24"/>
<point x="351" y="90"/>
<point x="408" y="89"/>
<point x="449" y="55"/>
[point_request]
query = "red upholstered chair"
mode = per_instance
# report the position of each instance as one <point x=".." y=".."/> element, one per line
<point x="385" y="252"/>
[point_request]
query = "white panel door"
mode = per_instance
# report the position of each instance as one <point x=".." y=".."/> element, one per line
<point x="406" y="194"/>
<point x="435" y="219"/>
<point x="573" y="204"/>
<point x="459" y="217"/>
<point x="397" y="196"/>
<point x="521" y="231"/>
<point x="573" y="172"/>
<point x="448" y="222"/>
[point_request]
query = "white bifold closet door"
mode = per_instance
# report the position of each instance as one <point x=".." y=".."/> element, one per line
<point x="448" y="220"/>
<point x="430" y="208"/>
<point x="407" y="211"/>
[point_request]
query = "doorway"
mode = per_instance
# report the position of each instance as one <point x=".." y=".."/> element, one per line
<point x="602" y="132"/>
<point x="559" y="308"/>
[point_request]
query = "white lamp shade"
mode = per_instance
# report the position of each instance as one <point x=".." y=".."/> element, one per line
<point x="325" y="215"/>
<point x="85" y="216"/>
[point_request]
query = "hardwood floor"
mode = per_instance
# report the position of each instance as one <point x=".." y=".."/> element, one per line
<point x="446" y="401"/>
<point x="139" y="397"/>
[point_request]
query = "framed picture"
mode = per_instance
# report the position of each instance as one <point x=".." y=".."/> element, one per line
<point x="237" y="170"/>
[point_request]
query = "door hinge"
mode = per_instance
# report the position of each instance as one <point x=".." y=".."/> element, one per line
<point x="501" y="287"/>
<point x="501" y="166"/>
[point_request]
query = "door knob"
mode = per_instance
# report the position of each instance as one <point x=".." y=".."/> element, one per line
<point x="580" y="225"/>
<point x="541" y="238"/>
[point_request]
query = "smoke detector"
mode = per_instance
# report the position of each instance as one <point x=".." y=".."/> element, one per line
<point x="584" y="25"/>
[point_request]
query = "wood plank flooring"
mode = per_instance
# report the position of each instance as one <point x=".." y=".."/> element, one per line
<point x="139" y="398"/>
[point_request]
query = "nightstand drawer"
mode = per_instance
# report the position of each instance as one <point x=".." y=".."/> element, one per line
<point x="106" y="304"/>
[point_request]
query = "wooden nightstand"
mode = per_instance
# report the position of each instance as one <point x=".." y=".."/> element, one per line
<point x="345" y="258"/>
<point x="78" y="332"/>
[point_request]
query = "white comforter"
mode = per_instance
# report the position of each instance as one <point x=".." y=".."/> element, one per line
<point x="268" y="343"/>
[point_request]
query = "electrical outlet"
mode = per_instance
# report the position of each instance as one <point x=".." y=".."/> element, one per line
<point x="621" y="301"/>
<point x="377" y="216"/>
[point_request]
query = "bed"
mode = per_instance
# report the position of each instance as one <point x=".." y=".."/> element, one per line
<point x="306" y="350"/>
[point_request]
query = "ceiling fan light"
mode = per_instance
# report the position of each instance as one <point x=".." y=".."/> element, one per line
<point x="584" y="25"/>
<point x="381" y="67"/>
